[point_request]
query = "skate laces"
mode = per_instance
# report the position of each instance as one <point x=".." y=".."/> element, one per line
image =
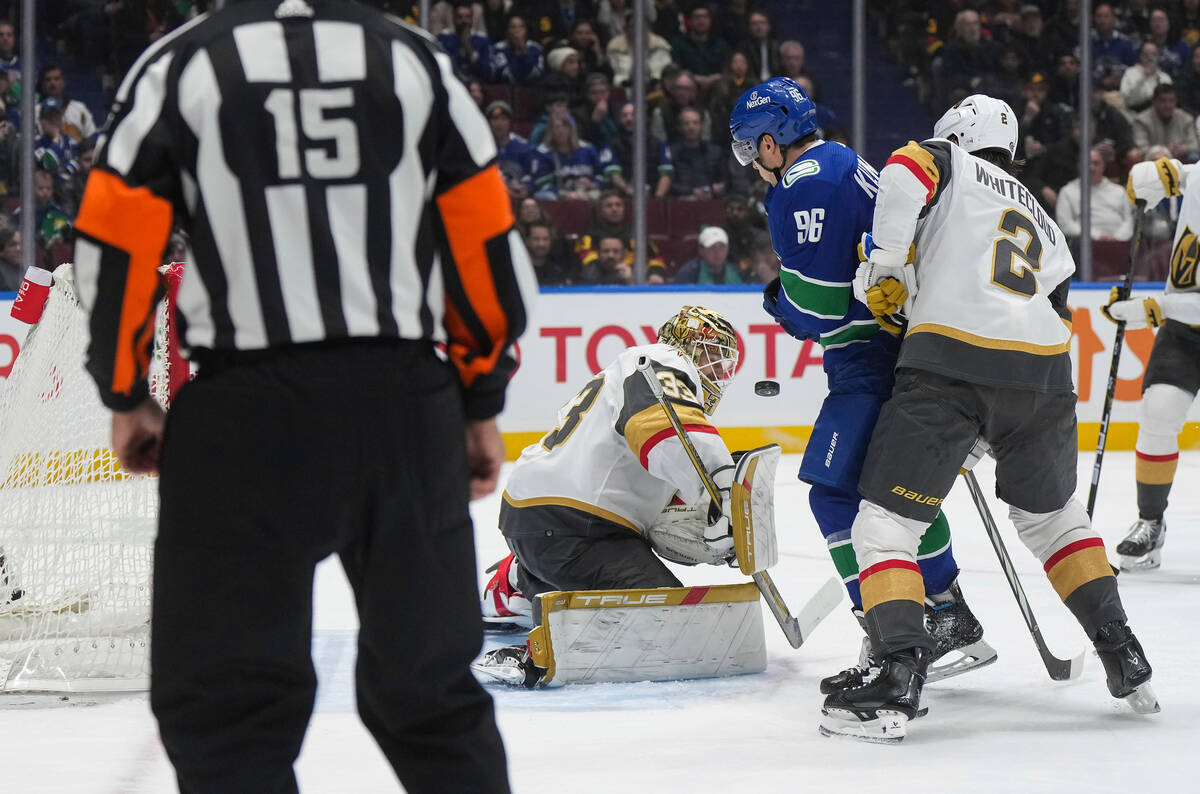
<point x="1145" y="532"/>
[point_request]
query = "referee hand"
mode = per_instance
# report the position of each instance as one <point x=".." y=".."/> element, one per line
<point x="485" y="453"/>
<point x="137" y="437"/>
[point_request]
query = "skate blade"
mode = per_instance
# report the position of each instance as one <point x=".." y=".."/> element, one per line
<point x="1149" y="561"/>
<point x="1143" y="700"/>
<point x="971" y="657"/>
<point x="888" y="727"/>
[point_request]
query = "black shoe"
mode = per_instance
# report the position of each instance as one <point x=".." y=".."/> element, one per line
<point x="1125" y="664"/>
<point x="1141" y="550"/>
<point x="867" y="667"/>
<point x="878" y="711"/>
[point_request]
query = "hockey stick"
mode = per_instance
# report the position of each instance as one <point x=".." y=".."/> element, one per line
<point x="796" y="628"/>
<point x="1118" y="343"/>
<point x="1059" y="669"/>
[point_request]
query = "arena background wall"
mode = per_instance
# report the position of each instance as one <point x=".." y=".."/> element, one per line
<point x="574" y="332"/>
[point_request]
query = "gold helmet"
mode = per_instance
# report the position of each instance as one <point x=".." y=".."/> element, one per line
<point x="708" y="340"/>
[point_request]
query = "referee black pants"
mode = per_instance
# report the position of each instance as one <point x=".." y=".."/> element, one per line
<point x="268" y="467"/>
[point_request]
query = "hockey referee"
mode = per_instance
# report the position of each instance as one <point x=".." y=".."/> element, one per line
<point x="347" y="222"/>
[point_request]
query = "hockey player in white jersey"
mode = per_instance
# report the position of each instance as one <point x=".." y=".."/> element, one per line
<point x="986" y="356"/>
<point x="583" y="507"/>
<point x="1172" y="376"/>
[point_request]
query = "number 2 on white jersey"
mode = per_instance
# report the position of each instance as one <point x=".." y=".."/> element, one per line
<point x="1006" y="273"/>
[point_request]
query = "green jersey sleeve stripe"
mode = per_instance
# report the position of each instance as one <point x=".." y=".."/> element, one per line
<point x="825" y="300"/>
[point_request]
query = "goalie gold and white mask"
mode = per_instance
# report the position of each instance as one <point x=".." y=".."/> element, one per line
<point x="710" y="342"/>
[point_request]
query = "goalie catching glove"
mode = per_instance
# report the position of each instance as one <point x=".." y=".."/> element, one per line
<point x="698" y="533"/>
<point x="1134" y="312"/>
<point x="886" y="282"/>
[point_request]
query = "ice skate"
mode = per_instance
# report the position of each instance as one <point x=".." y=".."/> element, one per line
<point x="510" y="665"/>
<point x="1126" y="667"/>
<point x="1141" y="550"/>
<point x="879" y="711"/>
<point x="504" y="608"/>
<point x="957" y="634"/>
<point x="863" y="672"/>
<point x="10" y="590"/>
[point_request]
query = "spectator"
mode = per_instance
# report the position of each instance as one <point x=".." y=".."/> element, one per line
<point x="475" y="89"/>
<point x="1173" y="53"/>
<point x="968" y="59"/>
<point x="1065" y="87"/>
<point x="712" y="265"/>
<point x="681" y="93"/>
<point x="551" y="260"/>
<point x="563" y="166"/>
<point x="1111" y="217"/>
<point x="609" y="221"/>
<point x="732" y="21"/>
<point x="620" y="54"/>
<point x="53" y="150"/>
<point x="1063" y="28"/>
<point x="826" y="119"/>
<point x="611" y="259"/>
<point x="761" y="48"/>
<point x="1109" y="125"/>
<point x="611" y="14"/>
<point x="1029" y="39"/>
<point x="50" y="223"/>
<point x="1043" y="121"/>
<point x="584" y="40"/>
<point x="517" y="60"/>
<point x="512" y="151"/>
<point x="701" y="167"/>
<point x="470" y="52"/>
<point x="9" y="59"/>
<point x="743" y="228"/>
<point x="565" y="78"/>
<point x="764" y="262"/>
<point x="495" y="19"/>
<point x="791" y="60"/>
<point x="74" y="191"/>
<point x="11" y="274"/>
<point x="1133" y="19"/>
<point x="1058" y="166"/>
<point x="77" y="120"/>
<point x="556" y="17"/>
<point x="593" y="115"/>
<point x="1163" y="123"/>
<point x="700" y="51"/>
<point x="1140" y="80"/>
<point x="1187" y="85"/>
<point x="133" y="25"/>
<point x="10" y="147"/>
<point x="722" y="94"/>
<point x="1009" y="82"/>
<point x="1189" y="22"/>
<point x="1109" y="45"/>
<point x="528" y="212"/>
<point x="659" y="168"/>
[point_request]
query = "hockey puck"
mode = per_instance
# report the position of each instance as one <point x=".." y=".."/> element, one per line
<point x="766" y="388"/>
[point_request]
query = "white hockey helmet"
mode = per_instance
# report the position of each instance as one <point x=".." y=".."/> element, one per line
<point x="980" y="122"/>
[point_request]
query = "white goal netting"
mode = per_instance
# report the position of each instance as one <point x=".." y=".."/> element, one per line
<point x="76" y="532"/>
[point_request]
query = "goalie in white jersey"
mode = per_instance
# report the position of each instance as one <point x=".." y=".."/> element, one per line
<point x="1172" y="376"/>
<point x="583" y="507"/>
<point x="985" y="356"/>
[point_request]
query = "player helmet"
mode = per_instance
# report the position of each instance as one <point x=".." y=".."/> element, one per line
<point x="709" y="341"/>
<point x="779" y="107"/>
<point x="980" y="122"/>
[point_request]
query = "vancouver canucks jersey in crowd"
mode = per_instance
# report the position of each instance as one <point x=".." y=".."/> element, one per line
<point x="817" y="215"/>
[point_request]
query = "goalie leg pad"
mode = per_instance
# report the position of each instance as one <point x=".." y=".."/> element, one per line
<point x="665" y="633"/>
<point x="751" y="509"/>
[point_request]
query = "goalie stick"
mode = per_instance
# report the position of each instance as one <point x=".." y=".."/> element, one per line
<point x="1059" y="669"/>
<point x="797" y="628"/>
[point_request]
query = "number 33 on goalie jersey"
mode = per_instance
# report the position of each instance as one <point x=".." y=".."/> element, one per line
<point x="993" y="269"/>
<point x="613" y="454"/>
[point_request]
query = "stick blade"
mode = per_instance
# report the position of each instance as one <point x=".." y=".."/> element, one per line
<point x="817" y="609"/>
<point x="1062" y="669"/>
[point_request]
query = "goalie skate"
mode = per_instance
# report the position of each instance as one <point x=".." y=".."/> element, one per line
<point x="504" y="608"/>
<point x="510" y="665"/>
<point x="1141" y="550"/>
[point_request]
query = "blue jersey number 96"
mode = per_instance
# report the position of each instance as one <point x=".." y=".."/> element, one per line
<point x="809" y="224"/>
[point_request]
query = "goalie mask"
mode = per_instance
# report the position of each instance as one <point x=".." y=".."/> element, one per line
<point x="709" y="341"/>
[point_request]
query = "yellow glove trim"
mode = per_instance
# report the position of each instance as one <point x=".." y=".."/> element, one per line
<point x="886" y="297"/>
<point x="1169" y="174"/>
<point x="1114" y="295"/>
<point x="1154" y="312"/>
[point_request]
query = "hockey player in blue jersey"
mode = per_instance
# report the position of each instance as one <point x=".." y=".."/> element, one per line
<point x="819" y="205"/>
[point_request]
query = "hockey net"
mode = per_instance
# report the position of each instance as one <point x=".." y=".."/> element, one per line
<point x="76" y="532"/>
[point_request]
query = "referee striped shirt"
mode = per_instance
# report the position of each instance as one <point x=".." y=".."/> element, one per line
<point x="336" y="179"/>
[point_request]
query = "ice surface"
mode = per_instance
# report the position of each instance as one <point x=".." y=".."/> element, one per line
<point x="1005" y="728"/>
